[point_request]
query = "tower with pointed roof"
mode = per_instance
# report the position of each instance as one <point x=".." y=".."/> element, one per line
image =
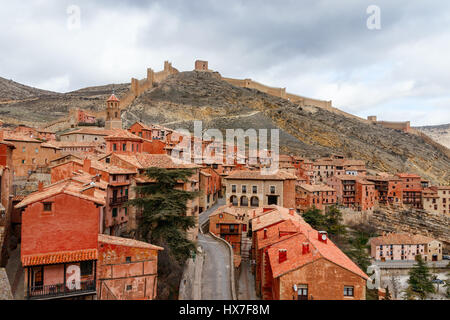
<point x="113" y="119"/>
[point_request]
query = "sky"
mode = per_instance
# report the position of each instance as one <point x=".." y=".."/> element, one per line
<point x="393" y="62"/>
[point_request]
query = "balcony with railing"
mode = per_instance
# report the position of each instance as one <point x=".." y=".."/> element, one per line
<point x="118" y="200"/>
<point x="61" y="290"/>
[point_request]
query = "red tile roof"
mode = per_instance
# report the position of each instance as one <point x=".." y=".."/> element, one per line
<point x="256" y="175"/>
<point x="59" y="257"/>
<point x="113" y="98"/>
<point x="126" y="242"/>
<point x="400" y="238"/>
<point x="318" y="250"/>
<point x="146" y="160"/>
<point x="67" y="186"/>
<point x="122" y="134"/>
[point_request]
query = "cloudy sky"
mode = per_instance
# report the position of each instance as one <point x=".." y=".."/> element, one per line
<point x="320" y="49"/>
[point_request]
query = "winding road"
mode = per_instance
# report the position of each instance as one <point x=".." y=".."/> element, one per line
<point x="216" y="284"/>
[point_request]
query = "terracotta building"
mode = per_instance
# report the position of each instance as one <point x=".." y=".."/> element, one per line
<point x="30" y="154"/>
<point x="353" y="192"/>
<point x="122" y="141"/>
<point x="118" y="187"/>
<point x="436" y="199"/>
<point x="405" y="246"/>
<point x="6" y="181"/>
<point x="319" y="196"/>
<point x="127" y="269"/>
<point x="228" y="224"/>
<point x="412" y="189"/>
<point x="246" y="188"/>
<point x="309" y="266"/>
<point x="388" y="189"/>
<point x="60" y="225"/>
<point x="294" y="261"/>
<point x="82" y="116"/>
<point x="210" y="188"/>
<point x="149" y="132"/>
<point x="65" y="257"/>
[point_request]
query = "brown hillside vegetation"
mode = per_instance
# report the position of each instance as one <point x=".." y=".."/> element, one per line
<point x="36" y="107"/>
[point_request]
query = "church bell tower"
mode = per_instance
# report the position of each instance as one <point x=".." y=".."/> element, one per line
<point x="113" y="118"/>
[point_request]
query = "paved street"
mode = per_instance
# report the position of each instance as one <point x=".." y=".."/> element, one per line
<point x="202" y="217"/>
<point x="216" y="283"/>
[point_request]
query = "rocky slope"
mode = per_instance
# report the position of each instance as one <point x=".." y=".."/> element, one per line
<point x="24" y="104"/>
<point x="307" y="131"/>
<point x="440" y="134"/>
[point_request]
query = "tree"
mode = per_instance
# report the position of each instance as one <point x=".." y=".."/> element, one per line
<point x="358" y="250"/>
<point x="314" y="218"/>
<point x="387" y="295"/>
<point x="395" y="285"/>
<point x="333" y="221"/>
<point x="419" y="282"/>
<point x="447" y="283"/>
<point x="164" y="221"/>
<point x="330" y="221"/>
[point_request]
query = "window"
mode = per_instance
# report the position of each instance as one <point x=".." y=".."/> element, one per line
<point x="244" y="189"/>
<point x="128" y="259"/>
<point x="36" y="150"/>
<point x="23" y="149"/>
<point x="348" y="291"/>
<point x="272" y="189"/>
<point x="47" y="206"/>
<point x="302" y="291"/>
<point x="255" y="189"/>
<point x="125" y="211"/>
<point x="114" y="147"/>
<point x="129" y="287"/>
<point x="114" y="212"/>
<point x="108" y="160"/>
<point x="23" y="161"/>
<point x="124" y="147"/>
<point x="86" y="268"/>
<point x="114" y="177"/>
<point x="233" y="188"/>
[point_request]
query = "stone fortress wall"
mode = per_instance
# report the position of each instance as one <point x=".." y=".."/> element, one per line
<point x="403" y="126"/>
<point x="277" y="92"/>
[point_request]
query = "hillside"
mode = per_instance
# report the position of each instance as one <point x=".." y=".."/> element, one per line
<point x="24" y="104"/>
<point x="181" y="98"/>
<point x="11" y="90"/>
<point x="308" y="131"/>
<point x="440" y="134"/>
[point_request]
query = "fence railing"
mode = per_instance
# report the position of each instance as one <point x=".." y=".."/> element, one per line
<point x="60" y="289"/>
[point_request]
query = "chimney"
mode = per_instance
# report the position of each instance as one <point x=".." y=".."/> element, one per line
<point x="40" y="186"/>
<point x="86" y="165"/>
<point x="323" y="236"/>
<point x="265" y="233"/>
<point x="305" y="248"/>
<point x="282" y="255"/>
<point x="291" y="211"/>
